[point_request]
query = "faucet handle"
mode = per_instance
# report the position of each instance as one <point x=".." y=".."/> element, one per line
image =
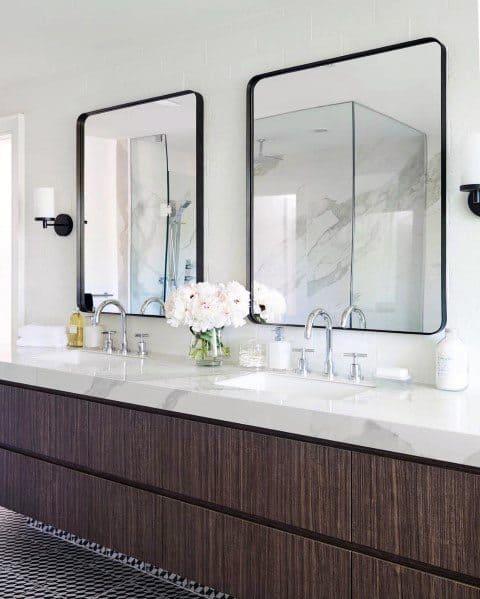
<point x="355" y="367"/>
<point x="142" y="344"/>
<point x="108" y="343"/>
<point x="302" y="366"/>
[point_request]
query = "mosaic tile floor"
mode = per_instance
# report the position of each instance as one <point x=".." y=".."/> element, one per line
<point x="36" y="564"/>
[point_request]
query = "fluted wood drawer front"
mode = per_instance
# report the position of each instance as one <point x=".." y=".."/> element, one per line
<point x="302" y="484"/>
<point x="376" y="579"/>
<point x="248" y="560"/>
<point x="43" y="423"/>
<point x="427" y="513"/>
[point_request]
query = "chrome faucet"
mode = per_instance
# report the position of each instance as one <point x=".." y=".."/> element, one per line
<point x="152" y="300"/>
<point x="328" y="367"/>
<point x="123" y="321"/>
<point x="353" y="310"/>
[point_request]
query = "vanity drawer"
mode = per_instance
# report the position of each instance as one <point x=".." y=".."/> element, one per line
<point x="302" y="484"/>
<point x="43" y="423"/>
<point x="426" y="513"/>
<point x="376" y="579"/>
<point x="248" y="560"/>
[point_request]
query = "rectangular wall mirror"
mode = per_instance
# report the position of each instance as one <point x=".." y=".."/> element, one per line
<point x="346" y="168"/>
<point x="140" y="200"/>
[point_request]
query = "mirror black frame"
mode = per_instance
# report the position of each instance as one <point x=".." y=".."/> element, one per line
<point x="80" y="191"/>
<point x="443" y="162"/>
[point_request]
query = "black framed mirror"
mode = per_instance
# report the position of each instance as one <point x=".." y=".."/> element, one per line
<point x="139" y="201"/>
<point x="346" y="184"/>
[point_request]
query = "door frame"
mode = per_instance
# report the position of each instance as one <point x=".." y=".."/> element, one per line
<point x="15" y="126"/>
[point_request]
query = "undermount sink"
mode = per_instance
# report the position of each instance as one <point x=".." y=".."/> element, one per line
<point x="291" y="385"/>
<point x="85" y="362"/>
<point x="68" y="356"/>
<point x="98" y="363"/>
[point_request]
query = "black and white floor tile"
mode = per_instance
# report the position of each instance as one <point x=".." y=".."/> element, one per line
<point x="38" y="564"/>
<point x="199" y="589"/>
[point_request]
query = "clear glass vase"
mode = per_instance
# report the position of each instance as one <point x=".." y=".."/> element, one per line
<point x="208" y="349"/>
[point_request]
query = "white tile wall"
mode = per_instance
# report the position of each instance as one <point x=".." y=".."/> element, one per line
<point x="217" y="59"/>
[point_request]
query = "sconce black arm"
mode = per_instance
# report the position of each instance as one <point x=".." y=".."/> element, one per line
<point x="473" y="190"/>
<point x="62" y="224"/>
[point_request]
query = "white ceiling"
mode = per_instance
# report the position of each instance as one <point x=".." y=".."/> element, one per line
<point x="40" y="38"/>
<point x="175" y="117"/>
<point x="327" y="127"/>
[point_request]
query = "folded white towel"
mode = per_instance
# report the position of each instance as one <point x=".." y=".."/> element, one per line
<point x="34" y="335"/>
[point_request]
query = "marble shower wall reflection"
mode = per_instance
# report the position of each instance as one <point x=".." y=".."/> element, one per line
<point x="162" y="246"/>
<point x="149" y="237"/>
<point x="342" y="216"/>
<point x="303" y="209"/>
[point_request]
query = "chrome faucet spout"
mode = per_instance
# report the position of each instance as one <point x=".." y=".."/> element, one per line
<point x="353" y="310"/>
<point x="328" y="369"/>
<point x="152" y="300"/>
<point x="123" y="320"/>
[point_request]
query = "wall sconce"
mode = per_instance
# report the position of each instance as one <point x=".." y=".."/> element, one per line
<point x="44" y="205"/>
<point x="473" y="191"/>
<point x="471" y="171"/>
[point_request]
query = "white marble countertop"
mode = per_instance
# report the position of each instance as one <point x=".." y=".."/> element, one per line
<point x="405" y="418"/>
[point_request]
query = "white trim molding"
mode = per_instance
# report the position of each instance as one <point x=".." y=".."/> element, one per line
<point x="15" y="126"/>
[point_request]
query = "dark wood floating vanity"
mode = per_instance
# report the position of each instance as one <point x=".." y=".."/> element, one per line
<point x="250" y="512"/>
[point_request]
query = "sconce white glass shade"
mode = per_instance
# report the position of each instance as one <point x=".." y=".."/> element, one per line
<point x="44" y="202"/>
<point x="471" y="160"/>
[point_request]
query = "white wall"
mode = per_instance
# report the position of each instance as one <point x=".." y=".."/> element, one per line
<point x="101" y="261"/>
<point x="218" y="64"/>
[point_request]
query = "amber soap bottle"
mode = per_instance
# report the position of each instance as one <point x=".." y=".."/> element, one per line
<point x="75" y="330"/>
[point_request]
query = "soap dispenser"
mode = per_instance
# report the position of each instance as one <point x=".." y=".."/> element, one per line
<point x="75" y="329"/>
<point x="279" y="351"/>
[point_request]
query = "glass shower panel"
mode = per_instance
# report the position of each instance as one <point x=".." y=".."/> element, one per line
<point x="149" y="202"/>
<point x="389" y="220"/>
<point x="181" y="254"/>
<point x="302" y="208"/>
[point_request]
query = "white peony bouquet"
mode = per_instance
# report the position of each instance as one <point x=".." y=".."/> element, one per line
<point x="268" y="304"/>
<point x="207" y="308"/>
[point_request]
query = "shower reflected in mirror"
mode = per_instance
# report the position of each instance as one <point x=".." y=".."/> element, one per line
<point x="347" y="189"/>
<point x="140" y="194"/>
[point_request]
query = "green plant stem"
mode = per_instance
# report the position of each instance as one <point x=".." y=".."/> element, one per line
<point x="205" y="342"/>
